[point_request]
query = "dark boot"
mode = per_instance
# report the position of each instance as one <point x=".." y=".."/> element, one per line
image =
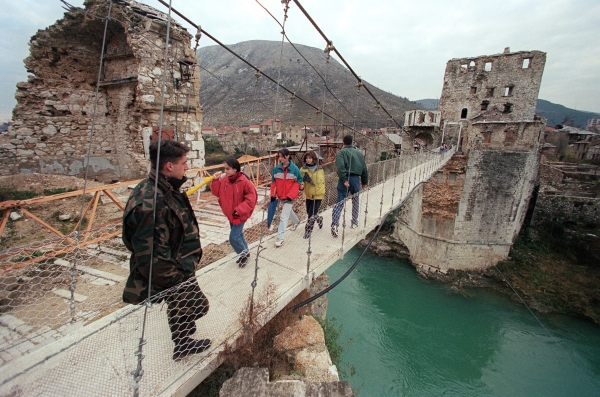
<point x="187" y="346"/>
<point x="320" y="221"/>
<point x="310" y="224"/>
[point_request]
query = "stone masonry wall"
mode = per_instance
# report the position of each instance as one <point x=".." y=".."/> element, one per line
<point x="551" y="174"/>
<point x="492" y="206"/>
<point x="566" y="209"/>
<point x="468" y="83"/>
<point x="55" y="107"/>
<point x="488" y="109"/>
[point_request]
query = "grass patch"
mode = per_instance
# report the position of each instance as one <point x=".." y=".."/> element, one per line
<point x="333" y="332"/>
<point x="9" y="193"/>
<point x="556" y="269"/>
<point x="58" y="190"/>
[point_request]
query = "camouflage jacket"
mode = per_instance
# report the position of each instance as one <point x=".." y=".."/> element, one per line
<point x="175" y="235"/>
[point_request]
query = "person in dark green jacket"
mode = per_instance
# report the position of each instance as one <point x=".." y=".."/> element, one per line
<point x="352" y="175"/>
<point x="161" y="231"/>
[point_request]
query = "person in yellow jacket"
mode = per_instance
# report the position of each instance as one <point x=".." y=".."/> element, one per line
<point x="314" y="189"/>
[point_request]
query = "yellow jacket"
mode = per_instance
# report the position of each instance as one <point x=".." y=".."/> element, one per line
<point x="314" y="185"/>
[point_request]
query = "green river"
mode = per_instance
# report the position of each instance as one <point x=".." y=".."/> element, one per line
<point x="407" y="336"/>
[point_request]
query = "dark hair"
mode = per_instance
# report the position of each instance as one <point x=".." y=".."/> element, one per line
<point x="170" y="151"/>
<point x="313" y="156"/>
<point x="284" y="152"/>
<point x="233" y="163"/>
<point x="348" y="140"/>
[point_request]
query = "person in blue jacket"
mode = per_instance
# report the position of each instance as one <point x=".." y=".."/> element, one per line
<point x="286" y="184"/>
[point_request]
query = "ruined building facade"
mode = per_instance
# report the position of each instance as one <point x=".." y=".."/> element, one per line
<point x="468" y="215"/>
<point x="55" y="107"/>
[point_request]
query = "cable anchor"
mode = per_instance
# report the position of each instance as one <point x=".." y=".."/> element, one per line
<point x="198" y="36"/>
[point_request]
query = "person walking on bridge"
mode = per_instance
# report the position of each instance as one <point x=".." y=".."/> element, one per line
<point x="352" y="175"/>
<point x="313" y="177"/>
<point x="237" y="198"/>
<point x="286" y="183"/>
<point x="161" y="231"/>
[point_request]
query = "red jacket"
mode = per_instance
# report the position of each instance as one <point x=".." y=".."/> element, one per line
<point x="239" y="196"/>
<point x="285" y="181"/>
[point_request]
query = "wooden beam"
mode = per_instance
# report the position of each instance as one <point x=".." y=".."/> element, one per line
<point x="87" y="208"/>
<point x="41" y="222"/>
<point x="126" y="80"/>
<point x="115" y="200"/>
<point x="4" y="221"/>
<point x="89" y="226"/>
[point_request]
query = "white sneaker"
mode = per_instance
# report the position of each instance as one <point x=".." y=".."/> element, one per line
<point x="354" y="226"/>
<point x="294" y="226"/>
<point x="278" y="243"/>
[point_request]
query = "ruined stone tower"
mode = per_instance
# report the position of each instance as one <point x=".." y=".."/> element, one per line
<point x="53" y="116"/>
<point x="468" y="215"/>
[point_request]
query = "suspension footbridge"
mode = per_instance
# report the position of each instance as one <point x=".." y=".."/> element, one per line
<point x="82" y="340"/>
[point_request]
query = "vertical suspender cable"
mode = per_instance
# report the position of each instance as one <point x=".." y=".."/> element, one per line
<point x="87" y="167"/>
<point x="138" y="372"/>
<point x="254" y="281"/>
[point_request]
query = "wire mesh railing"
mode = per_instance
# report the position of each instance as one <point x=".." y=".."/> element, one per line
<point x="66" y="331"/>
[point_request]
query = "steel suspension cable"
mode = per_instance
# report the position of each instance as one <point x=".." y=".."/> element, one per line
<point x="306" y="60"/>
<point x="138" y="372"/>
<point x="248" y="63"/>
<point x="260" y="247"/>
<point x="77" y="253"/>
<point x="341" y="57"/>
<point x="351" y="269"/>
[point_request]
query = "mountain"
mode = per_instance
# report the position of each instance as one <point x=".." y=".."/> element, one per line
<point x="558" y="114"/>
<point x="429" y="104"/>
<point x="554" y="113"/>
<point x="230" y="96"/>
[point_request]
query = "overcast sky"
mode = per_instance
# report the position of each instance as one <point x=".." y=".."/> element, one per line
<point x="399" y="46"/>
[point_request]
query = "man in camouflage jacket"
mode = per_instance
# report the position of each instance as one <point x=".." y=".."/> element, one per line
<point x="169" y="236"/>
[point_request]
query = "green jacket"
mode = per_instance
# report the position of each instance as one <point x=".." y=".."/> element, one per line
<point x="314" y="190"/>
<point x="177" y="248"/>
<point x="350" y="161"/>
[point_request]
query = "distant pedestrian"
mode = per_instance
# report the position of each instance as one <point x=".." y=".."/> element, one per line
<point x="313" y="177"/>
<point x="352" y="175"/>
<point x="286" y="183"/>
<point x="237" y="198"/>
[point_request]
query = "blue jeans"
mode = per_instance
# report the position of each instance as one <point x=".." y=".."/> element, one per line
<point x="342" y="190"/>
<point x="236" y="237"/>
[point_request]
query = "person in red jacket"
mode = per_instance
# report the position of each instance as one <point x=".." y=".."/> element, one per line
<point x="237" y="198"/>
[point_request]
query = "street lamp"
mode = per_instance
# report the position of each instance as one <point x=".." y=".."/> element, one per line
<point x="187" y="65"/>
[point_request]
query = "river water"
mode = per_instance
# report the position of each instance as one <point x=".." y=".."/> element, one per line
<point x="407" y="336"/>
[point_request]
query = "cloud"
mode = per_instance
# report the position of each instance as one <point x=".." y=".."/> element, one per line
<point x="401" y="47"/>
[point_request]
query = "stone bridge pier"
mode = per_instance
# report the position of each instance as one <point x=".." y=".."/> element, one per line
<point x="468" y="215"/>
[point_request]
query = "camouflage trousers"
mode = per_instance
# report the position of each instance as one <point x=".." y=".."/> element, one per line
<point x="186" y="304"/>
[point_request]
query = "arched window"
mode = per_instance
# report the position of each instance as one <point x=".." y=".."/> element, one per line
<point x="463" y="113"/>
